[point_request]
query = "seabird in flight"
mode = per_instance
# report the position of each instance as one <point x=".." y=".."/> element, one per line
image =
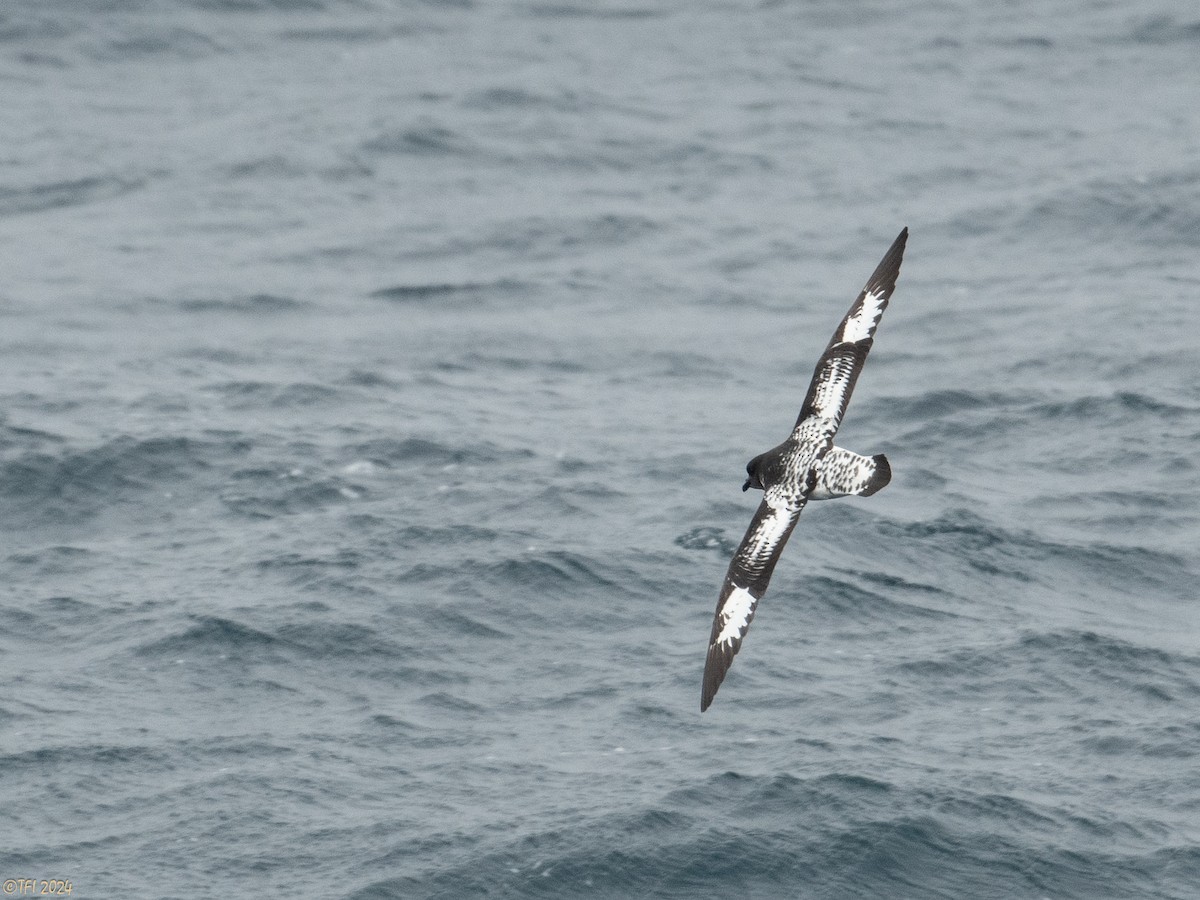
<point x="806" y="466"/>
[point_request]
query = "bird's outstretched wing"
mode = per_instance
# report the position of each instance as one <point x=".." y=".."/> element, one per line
<point x="835" y="375"/>
<point x="745" y="582"/>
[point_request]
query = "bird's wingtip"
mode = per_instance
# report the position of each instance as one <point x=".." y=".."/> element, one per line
<point x="883" y="279"/>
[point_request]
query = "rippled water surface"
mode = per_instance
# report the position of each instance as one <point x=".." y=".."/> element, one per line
<point x="376" y="381"/>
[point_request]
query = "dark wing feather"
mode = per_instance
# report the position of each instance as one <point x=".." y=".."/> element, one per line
<point x="745" y="583"/>
<point x="835" y="374"/>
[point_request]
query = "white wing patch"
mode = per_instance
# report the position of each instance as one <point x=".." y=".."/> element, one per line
<point x="736" y="615"/>
<point x="832" y="383"/>
<point x="866" y="318"/>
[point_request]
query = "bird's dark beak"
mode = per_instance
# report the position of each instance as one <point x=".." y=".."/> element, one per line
<point x="746" y="486"/>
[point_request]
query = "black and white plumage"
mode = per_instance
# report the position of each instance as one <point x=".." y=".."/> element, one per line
<point x="804" y="467"/>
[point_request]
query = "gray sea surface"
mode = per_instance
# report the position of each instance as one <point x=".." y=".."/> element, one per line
<point x="376" y="382"/>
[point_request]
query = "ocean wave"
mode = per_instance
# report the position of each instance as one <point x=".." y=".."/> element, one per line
<point x="63" y="482"/>
<point x="962" y="412"/>
<point x="1165" y="29"/>
<point x="409" y="451"/>
<point x="941" y="403"/>
<point x="457" y="622"/>
<point x="1047" y="665"/>
<point x="1157" y="209"/>
<point x="212" y="634"/>
<point x="59" y="194"/>
<point x="543" y="573"/>
<point x="136" y="41"/>
<point x="451" y="703"/>
<point x="70" y="756"/>
<point x="836" y="836"/>
<point x="474" y="361"/>
<point x="345" y="559"/>
<point x="963" y="538"/>
<point x="15" y="437"/>
<point x="427" y="138"/>
<point x="680" y="364"/>
<point x="1113" y="659"/>
<point x="255" y="394"/>
<point x="569" y="502"/>
<point x="254" y="304"/>
<point x="505" y="98"/>
<point x="1163" y="208"/>
<point x="593" y="11"/>
<point x="442" y="293"/>
<point x="248" y="6"/>
<point x="268" y="492"/>
<point x="342" y="640"/>
<point x="410" y="537"/>
<point x="542" y="237"/>
<point x="834" y="599"/>
<point x="896" y="583"/>
<point x="706" y="537"/>
<point x="1122" y="405"/>
<point x="224" y="638"/>
<point x="78" y="482"/>
<point x="254" y="168"/>
<point x="345" y="34"/>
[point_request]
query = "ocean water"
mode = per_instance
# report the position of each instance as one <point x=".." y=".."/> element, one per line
<point x="376" y="381"/>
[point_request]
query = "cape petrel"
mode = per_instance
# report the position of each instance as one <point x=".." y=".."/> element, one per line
<point x="806" y="466"/>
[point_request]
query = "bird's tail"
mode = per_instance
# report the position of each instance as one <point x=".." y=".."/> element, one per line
<point x="844" y="473"/>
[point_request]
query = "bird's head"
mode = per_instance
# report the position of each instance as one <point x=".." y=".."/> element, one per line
<point x="754" y="471"/>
